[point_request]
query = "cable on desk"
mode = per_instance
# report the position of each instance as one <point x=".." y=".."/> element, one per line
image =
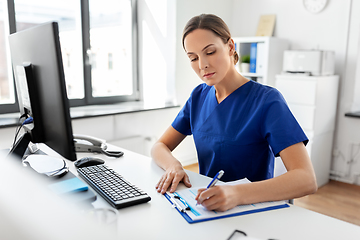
<point x="18" y="128"/>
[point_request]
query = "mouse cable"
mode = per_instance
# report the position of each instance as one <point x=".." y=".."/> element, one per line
<point x="18" y="128"/>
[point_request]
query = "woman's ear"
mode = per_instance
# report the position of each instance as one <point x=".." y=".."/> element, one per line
<point x="231" y="47"/>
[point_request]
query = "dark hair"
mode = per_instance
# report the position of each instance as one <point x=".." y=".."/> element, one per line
<point x="209" y="22"/>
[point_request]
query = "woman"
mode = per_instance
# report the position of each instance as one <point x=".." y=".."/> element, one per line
<point x="238" y="126"/>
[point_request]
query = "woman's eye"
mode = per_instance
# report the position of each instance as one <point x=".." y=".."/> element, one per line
<point x="193" y="59"/>
<point x="210" y="53"/>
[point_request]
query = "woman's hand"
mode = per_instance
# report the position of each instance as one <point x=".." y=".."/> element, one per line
<point x="219" y="198"/>
<point x="161" y="154"/>
<point x="171" y="178"/>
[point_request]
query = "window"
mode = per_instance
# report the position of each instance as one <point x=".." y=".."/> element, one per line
<point x="97" y="42"/>
<point x="100" y="43"/>
<point x="110" y="40"/>
<point x="67" y="14"/>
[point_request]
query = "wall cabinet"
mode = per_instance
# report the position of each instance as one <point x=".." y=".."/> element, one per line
<point x="269" y="57"/>
<point x="313" y="101"/>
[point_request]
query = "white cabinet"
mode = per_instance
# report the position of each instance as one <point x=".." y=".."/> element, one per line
<point x="313" y="101"/>
<point x="269" y="57"/>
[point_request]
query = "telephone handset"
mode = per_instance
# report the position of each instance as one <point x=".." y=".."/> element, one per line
<point x="84" y="143"/>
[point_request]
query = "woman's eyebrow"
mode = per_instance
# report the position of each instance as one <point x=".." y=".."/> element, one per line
<point x="189" y="53"/>
<point x="207" y="46"/>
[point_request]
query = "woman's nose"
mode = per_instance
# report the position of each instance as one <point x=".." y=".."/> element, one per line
<point x="203" y="64"/>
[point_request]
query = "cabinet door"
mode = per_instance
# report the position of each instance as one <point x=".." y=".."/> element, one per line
<point x="297" y="91"/>
<point x="305" y="115"/>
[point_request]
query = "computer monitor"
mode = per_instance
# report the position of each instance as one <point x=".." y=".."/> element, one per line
<point x="40" y="82"/>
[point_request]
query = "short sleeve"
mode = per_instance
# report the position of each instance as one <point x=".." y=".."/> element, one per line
<point x="182" y="120"/>
<point x="280" y="127"/>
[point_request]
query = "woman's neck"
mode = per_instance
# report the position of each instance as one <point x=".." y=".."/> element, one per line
<point x="229" y="84"/>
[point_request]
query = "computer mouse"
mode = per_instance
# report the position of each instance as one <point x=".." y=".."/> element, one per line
<point x="88" y="161"/>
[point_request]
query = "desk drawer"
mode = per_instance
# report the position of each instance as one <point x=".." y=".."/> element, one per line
<point x="297" y="91"/>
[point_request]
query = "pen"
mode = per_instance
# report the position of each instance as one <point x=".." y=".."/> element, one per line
<point x="215" y="180"/>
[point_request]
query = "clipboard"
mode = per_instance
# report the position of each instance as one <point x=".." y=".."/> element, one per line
<point x="184" y="202"/>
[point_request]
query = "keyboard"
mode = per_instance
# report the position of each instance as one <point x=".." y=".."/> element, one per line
<point x="114" y="188"/>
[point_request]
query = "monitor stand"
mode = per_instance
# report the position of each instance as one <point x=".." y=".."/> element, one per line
<point x="20" y="146"/>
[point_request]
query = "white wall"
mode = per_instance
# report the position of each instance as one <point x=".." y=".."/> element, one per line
<point x="326" y="30"/>
<point x="346" y="160"/>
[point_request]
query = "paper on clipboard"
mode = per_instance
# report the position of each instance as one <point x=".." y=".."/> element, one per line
<point x="198" y="213"/>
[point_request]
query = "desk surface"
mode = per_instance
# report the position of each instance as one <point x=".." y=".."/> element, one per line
<point x="153" y="220"/>
<point x="158" y="220"/>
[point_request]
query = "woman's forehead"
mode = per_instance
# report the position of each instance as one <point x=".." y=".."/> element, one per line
<point x="198" y="39"/>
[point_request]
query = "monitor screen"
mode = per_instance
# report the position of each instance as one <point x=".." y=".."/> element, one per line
<point x="39" y="76"/>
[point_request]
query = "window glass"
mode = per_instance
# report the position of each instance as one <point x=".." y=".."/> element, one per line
<point x="67" y="14"/>
<point x="111" y="47"/>
<point x="6" y="83"/>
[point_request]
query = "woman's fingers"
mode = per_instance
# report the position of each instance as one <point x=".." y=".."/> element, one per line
<point x="214" y="198"/>
<point x="171" y="179"/>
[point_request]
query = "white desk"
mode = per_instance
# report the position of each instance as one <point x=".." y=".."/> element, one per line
<point x="156" y="219"/>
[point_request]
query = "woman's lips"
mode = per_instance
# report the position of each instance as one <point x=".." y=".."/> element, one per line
<point x="208" y="75"/>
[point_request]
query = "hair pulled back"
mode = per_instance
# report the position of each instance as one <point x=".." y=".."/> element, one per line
<point x="209" y="22"/>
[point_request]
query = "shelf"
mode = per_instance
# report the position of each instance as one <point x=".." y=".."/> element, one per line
<point x="247" y="74"/>
<point x="269" y="56"/>
<point x="251" y="39"/>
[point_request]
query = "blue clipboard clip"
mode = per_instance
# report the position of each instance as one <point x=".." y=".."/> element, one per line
<point x="178" y="202"/>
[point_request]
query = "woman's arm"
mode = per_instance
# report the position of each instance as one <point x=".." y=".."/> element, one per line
<point x="161" y="154"/>
<point x="297" y="182"/>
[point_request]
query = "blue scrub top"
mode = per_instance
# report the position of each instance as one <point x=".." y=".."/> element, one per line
<point x="242" y="134"/>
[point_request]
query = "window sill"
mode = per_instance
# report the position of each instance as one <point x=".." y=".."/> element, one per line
<point x="11" y="119"/>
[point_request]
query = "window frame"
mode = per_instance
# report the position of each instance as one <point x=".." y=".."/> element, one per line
<point x="10" y="107"/>
<point x="85" y="27"/>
